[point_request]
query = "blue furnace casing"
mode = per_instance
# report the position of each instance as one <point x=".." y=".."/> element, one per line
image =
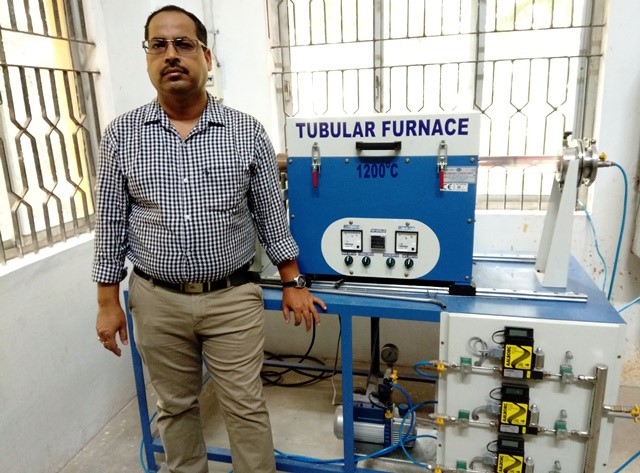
<point x="384" y="198"/>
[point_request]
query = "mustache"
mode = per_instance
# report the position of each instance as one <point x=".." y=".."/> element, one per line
<point x="173" y="67"/>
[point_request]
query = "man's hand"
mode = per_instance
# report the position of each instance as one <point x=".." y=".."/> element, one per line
<point x="111" y="319"/>
<point x="300" y="303"/>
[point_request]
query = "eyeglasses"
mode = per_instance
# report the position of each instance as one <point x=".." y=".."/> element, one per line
<point x="182" y="45"/>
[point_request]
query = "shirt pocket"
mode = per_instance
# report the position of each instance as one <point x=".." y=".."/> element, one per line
<point x="225" y="183"/>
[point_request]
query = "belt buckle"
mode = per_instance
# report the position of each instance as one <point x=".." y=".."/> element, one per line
<point x="193" y="288"/>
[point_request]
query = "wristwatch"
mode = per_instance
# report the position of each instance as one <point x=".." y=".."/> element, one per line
<point x="298" y="282"/>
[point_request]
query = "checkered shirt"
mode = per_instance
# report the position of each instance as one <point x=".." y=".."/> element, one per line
<point x="187" y="210"/>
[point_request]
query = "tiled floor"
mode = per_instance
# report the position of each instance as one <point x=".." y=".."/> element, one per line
<point x="302" y="421"/>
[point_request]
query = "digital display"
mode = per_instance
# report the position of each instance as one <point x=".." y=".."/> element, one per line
<point x="378" y="243"/>
<point x="518" y="332"/>
<point x="509" y="443"/>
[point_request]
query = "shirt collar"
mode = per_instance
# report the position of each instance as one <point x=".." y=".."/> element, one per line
<point x="213" y="113"/>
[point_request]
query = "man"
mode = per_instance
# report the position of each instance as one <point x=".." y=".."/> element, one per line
<point x="184" y="186"/>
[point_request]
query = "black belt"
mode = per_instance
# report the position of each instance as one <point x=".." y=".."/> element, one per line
<point x="237" y="278"/>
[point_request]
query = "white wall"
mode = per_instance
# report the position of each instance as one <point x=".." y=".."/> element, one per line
<point x="246" y="61"/>
<point x="119" y="25"/>
<point x="619" y="137"/>
<point x="59" y="387"/>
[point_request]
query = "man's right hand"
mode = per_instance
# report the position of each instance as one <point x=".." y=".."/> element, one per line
<point x="111" y="319"/>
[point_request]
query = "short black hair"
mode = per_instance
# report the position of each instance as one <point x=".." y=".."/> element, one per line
<point x="201" y="30"/>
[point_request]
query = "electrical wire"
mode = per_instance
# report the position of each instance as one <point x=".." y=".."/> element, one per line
<point x="495" y="443"/>
<point x="374" y="344"/>
<point x="493" y="337"/>
<point x="628" y="462"/>
<point x="375" y="403"/>
<point x="472" y="344"/>
<point x="482" y="353"/>
<point x="492" y="394"/>
<point x="274" y="377"/>
<point x="626" y="306"/>
<point x="622" y="225"/>
<point x="335" y="364"/>
<point x="597" y="246"/>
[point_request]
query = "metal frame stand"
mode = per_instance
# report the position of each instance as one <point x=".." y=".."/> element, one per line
<point x="374" y="308"/>
<point x="594" y="308"/>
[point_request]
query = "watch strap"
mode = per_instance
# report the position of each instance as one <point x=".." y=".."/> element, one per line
<point x="298" y="282"/>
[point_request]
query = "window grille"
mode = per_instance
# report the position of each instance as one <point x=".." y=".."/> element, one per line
<point x="529" y="66"/>
<point x="48" y="125"/>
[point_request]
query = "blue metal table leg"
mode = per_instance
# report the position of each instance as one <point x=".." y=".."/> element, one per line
<point x="143" y="409"/>
<point x="347" y="393"/>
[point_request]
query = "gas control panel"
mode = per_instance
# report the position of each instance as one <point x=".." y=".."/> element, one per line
<point x="518" y="393"/>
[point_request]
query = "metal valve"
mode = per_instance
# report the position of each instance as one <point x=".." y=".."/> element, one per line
<point x="585" y="151"/>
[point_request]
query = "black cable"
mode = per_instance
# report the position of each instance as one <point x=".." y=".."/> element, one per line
<point x="491" y="394"/>
<point x="274" y="377"/>
<point x="374" y="342"/>
<point x="493" y="442"/>
<point x="493" y="335"/>
<point x="375" y="403"/>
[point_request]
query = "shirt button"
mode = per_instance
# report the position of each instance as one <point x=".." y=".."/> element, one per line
<point x="187" y="217"/>
<point x="187" y="253"/>
<point x="185" y="180"/>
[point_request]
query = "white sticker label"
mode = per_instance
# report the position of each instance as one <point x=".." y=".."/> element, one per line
<point x="460" y="174"/>
<point x="509" y="373"/>
<point x="455" y="187"/>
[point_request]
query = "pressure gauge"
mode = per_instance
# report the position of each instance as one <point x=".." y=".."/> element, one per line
<point x="389" y="353"/>
<point x="351" y="240"/>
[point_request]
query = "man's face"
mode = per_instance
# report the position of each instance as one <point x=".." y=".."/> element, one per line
<point x="171" y="72"/>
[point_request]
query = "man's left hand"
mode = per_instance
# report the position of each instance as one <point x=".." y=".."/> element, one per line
<point x="300" y="303"/>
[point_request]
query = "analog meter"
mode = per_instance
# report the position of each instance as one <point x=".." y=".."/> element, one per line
<point x="351" y="240"/>
<point x="406" y="242"/>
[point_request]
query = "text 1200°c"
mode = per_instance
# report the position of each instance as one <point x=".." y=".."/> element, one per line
<point x="377" y="170"/>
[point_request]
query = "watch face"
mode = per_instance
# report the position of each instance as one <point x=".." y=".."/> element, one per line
<point x="301" y="281"/>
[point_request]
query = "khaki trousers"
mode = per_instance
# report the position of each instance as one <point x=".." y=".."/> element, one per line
<point x="174" y="332"/>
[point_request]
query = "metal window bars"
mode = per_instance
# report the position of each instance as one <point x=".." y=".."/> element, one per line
<point x="49" y="126"/>
<point x="529" y="66"/>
